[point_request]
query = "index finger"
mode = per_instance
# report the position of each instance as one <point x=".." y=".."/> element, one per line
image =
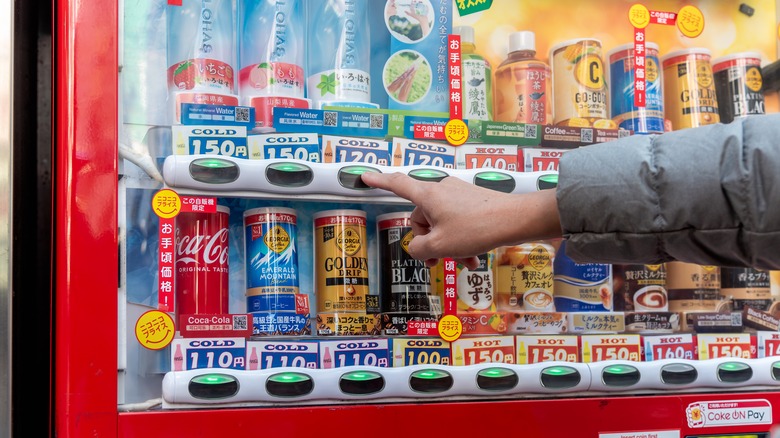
<point x="396" y="182"/>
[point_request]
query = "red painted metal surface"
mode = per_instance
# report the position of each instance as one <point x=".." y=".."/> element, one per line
<point x="85" y="215"/>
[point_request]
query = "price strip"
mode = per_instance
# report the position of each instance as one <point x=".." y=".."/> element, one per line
<point x="536" y="349"/>
<point x="597" y="348"/>
<point x="494" y="349"/>
<point x="194" y="354"/>
<point x="768" y="344"/>
<point x="454" y="64"/>
<point x="714" y="345"/>
<point x="539" y="160"/>
<point x="276" y="354"/>
<point x="484" y="156"/>
<point x="450" y="286"/>
<point x="680" y="346"/>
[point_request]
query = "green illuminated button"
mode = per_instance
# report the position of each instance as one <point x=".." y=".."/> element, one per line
<point x="734" y="372"/>
<point x="349" y="177"/>
<point x="498" y="181"/>
<point x="213" y="386"/>
<point x="431" y="175"/>
<point x="430" y="381"/>
<point x="776" y="370"/>
<point x="497" y="379"/>
<point x="620" y="375"/>
<point x="547" y="182"/>
<point x="678" y="374"/>
<point x="560" y="377"/>
<point x="361" y="382"/>
<point x="214" y="170"/>
<point x="289" y="174"/>
<point x="289" y="384"/>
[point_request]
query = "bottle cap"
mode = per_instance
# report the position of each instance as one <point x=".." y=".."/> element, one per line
<point x="523" y="40"/>
<point x="466" y="33"/>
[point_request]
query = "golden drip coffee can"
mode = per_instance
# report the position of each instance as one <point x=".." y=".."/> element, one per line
<point x="340" y="261"/>
<point x="579" y="84"/>
<point x="689" y="89"/>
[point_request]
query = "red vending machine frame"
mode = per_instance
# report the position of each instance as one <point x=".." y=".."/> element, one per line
<point x="85" y="231"/>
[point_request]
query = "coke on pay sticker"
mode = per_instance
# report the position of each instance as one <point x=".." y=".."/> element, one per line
<point x="728" y="413"/>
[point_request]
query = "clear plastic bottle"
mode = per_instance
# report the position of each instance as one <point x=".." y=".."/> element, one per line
<point x="476" y="78"/>
<point x="271" y="40"/>
<point x="201" y="53"/>
<point x="339" y="54"/>
<point x="523" y="87"/>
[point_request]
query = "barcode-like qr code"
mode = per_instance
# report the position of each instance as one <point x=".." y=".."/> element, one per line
<point x="242" y="114"/>
<point x="624" y="133"/>
<point x="330" y="118"/>
<point x="377" y="121"/>
<point x="240" y="322"/>
<point x="586" y="135"/>
<point x="736" y="319"/>
<point x="530" y="131"/>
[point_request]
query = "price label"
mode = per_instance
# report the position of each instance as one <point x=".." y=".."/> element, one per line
<point x="768" y="343"/>
<point x="678" y="346"/>
<point x="492" y="354"/>
<point x="548" y="353"/>
<point x="214" y="140"/>
<point x="539" y="160"/>
<point x="414" y="356"/>
<point x="304" y="147"/>
<point x="372" y="352"/>
<point x="713" y="346"/>
<point x="360" y="357"/>
<point x="418" y="153"/>
<point x="472" y="156"/>
<point x="596" y="348"/>
<point x="192" y="354"/>
<point x="270" y="354"/>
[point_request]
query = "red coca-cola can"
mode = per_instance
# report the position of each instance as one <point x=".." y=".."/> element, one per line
<point x="202" y="262"/>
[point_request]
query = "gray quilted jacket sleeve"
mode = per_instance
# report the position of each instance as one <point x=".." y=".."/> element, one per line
<point x="708" y="195"/>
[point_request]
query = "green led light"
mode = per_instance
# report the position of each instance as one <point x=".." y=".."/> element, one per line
<point x="776" y="365"/>
<point x="559" y="371"/>
<point x="358" y="170"/>
<point x="214" y="163"/>
<point x="289" y="378"/>
<point x="620" y="369"/>
<point x="288" y="167"/>
<point x="430" y="374"/>
<point x="493" y="176"/>
<point x="213" y="379"/>
<point x="425" y="174"/>
<point x="361" y="376"/>
<point x="552" y="178"/>
<point x="733" y="366"/>
<point x="496" y="372"/>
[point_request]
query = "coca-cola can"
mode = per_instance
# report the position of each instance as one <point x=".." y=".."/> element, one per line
<point x="202" y="262"/>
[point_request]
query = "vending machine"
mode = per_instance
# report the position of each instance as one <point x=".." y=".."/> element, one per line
<point x="222" y="270"/>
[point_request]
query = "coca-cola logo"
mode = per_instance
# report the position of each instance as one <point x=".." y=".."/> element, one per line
<point x="211" y="249"/>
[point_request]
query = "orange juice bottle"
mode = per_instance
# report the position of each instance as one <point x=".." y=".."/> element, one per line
<point x="523" y="85"/>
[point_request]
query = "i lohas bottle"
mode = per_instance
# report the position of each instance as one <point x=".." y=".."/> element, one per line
<point x="201" y="53"/>
<point x="477" y="78"/>
<point x="523" y="87"/>
<point x="271" y="38"/>
<point x="339" y="56"/>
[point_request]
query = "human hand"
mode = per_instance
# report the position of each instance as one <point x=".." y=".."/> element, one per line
<point x="453" y="218"/>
